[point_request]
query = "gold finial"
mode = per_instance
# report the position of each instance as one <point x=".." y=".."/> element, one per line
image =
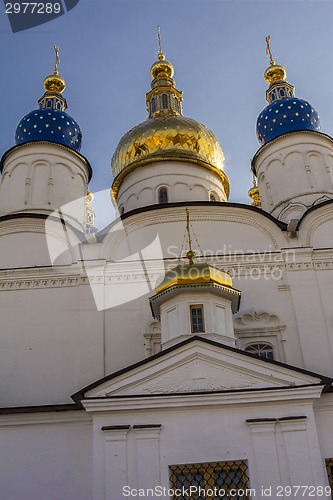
<point x="190" y="254"/>
<point x="90" y="214"/>
<point x="160" y="52"/>
<point x="54" y="82"/>
<point x="254" y="194"/>
<point x="57" y="60"/>
<point x="275" y="72"/>
<point x="268" y="50"/>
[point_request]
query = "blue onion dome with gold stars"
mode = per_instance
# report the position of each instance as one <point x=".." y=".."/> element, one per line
<point x="49" y="122"/>
<point x="285" y="113"/>
<point x="166" y="134"/>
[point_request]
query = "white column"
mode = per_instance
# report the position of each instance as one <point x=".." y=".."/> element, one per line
<point x="265" y="451"/>
<point x="115" y="460"/>
<point x="298" y="453"/>
<point x="148" y="455"/>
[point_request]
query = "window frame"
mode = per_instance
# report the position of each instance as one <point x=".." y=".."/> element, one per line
<point x="161" y="188"/>
<point x="192" y="308"/>
<point x="270" y="349"/>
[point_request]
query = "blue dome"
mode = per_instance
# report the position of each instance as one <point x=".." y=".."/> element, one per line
<point x="49" y="125"/>
<point x="286" y="115"/>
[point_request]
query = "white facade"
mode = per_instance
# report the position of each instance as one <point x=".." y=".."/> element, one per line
<point x="183" y="181"/>
<point x="294" y="173"/>
<point x="99" y="399"/>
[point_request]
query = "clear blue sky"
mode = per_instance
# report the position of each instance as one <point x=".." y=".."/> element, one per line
<point x="217" y="48"/>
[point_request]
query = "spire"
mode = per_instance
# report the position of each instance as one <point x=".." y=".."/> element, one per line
<point x="254" y="194"/>
<point x="190" y="254"/>
<point x="54" y="86"/>
<point x="163" y="99"/>
<point x="276" y="75"/>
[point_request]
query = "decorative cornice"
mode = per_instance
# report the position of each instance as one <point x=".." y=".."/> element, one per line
<point x="50" y="418"/>
<point x="257" y="397"/>
<point x="280" y="137"/>
<point x="22" y="279"/>
<point x="33" y="143"/>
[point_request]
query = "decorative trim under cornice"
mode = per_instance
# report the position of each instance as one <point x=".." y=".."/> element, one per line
<point x="33" y="143"/>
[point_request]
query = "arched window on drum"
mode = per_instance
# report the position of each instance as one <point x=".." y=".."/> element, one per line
<point x="163" y="196"/>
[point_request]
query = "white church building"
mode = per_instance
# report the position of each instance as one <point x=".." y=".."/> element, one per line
<point x="186" y="350"/>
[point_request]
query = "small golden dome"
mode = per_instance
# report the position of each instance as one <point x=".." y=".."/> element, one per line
<point x="275" y="73"/>
<point x="187" y="274"/>
<point x="162" y="68"/>
<point x="54" y="83"/>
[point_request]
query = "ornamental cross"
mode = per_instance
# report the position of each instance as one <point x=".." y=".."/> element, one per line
<point x="57" y="60"/>
<point x="159" y="39"/>
<point x="268" y="50"/>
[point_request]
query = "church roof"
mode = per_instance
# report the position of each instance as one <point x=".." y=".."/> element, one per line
<point x="317" y="379"/>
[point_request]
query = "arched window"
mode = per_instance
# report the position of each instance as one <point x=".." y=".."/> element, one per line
<point x="212" y="197"/>
<point x="177" y="105"/>
<point x="260" y="349"/>
<point x="153" y="105"/>
<point x="121" y="210"/>
<point x="163" y="195"/>
<point x="165" y="103"/>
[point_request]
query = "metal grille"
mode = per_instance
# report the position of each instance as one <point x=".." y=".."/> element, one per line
<point x="212" y="481"/>
<point x="261" y="350"/>
<point x="329" y="470"/>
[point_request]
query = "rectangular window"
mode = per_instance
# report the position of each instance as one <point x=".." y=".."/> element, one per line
<point x="218" y="481"/>
<point x="197" y="319"/>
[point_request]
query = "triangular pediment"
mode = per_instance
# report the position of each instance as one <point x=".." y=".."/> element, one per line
<point x="200" y="366"/>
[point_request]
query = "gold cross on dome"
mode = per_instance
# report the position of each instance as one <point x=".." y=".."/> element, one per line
<point x="57" y="59"/>
<point x="268" y="50"/>
<point x="159" y="39"/>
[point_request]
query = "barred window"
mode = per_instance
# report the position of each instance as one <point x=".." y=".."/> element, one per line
<point x="329" y="470"/>
<point x="163" y="195"/>
<point x="177" y="105"/>
<point x="165" y="103"/>
<point x="261" y="350"/>
<point x="153" y="105"/>
<point x="215" y="481"/>
<point x="197" y="319"/>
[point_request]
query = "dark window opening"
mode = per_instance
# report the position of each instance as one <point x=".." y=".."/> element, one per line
<point x="197" y="319"/>
<point x="163" y="195"/>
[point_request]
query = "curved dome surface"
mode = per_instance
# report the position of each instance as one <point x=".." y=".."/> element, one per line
<point x="50" y="125"/>
<point x="185" y="274"/>
<point x="174" y="137"/>
<point x="290" y="114"/>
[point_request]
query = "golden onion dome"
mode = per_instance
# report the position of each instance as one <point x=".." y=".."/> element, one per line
<point x="161" y="68"/>
<point x="170" y="138"/>
<point x="274" y="73"/>
<point x="166" y="134"/>
<point x="54" y="83"/>
<point x="187" y="274"/>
